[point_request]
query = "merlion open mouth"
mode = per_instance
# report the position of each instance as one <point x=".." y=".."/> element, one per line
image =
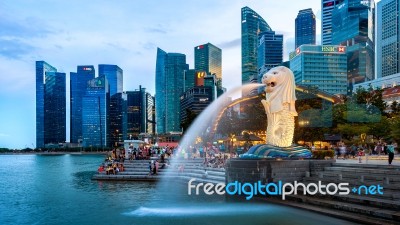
<point x="271" y="84"/>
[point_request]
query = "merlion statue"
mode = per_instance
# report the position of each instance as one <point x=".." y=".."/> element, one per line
<point x="280" y="105"/>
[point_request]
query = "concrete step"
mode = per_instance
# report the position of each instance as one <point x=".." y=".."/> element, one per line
<point x="390" y="191"/>
<point x="348" y="207"/>
<point x="363" y="165"/>
<point x="377" y="171"/>
<point x="354" y="217"/>
<point x="366" y="176"/>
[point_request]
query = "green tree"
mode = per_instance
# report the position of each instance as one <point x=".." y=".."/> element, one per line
<point x="395" y="131"/>
<point x="381" y="129"/>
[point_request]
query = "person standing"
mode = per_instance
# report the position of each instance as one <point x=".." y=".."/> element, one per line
<point x="390" y="150"/>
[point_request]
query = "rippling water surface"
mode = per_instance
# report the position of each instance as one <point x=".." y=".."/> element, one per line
<point x="58" y="190"/>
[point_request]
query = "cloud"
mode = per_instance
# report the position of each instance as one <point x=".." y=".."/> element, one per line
<point x="26" y="28"/>
<point x="117" y="47"/>
<point x="230" y="44"/>
<point x="14" y="48"/>
<point x="158" y="29"/>
<point x="149" y="45"/>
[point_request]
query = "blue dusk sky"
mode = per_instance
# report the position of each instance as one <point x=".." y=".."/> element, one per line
<point x="126" y="33"/>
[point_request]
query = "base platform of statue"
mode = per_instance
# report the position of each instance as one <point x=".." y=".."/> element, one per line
<point x="270" y="151"/>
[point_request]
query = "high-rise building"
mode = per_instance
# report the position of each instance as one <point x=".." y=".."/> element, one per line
<point x="270" y="52"/>
<point x="78" y="85"/>
<point x="95" y="113"/>
<point x="388" y="38"/>
<point x="189" y="79"/>
<point x="140" y="116"/>
<point x="114" y="75"/>
<point x="321" y="66"/>
<point x="117" y="131"/>
<point x="195" y="100"/>
<point x="50" y="105"/>
<point x="353" y="27"/>
<point x="305" y="28"/>
<point x="252" y="25"/>
<point x="208" y="58"/>
<point x="326" y="26"/>
<point x="170" y="68"/>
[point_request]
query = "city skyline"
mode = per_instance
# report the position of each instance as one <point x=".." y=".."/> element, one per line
<point x="124" y="34"/>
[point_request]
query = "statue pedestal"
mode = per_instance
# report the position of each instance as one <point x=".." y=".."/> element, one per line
<point x="272" y="170"/>
<point x="270" y="151"/>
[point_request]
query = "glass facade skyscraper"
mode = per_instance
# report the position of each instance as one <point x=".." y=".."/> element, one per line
<point x="114" y="75"/>
<point x="388" y="38"/>
<point x="208" y="58"/>
<point x="140" y="107"/>
<point x="170" y="69"/>
<point x="117" y="131"/>
<point x="252" y="25"/>
<point x="353" y="26"/>
<point x="305" y="28"/>
<point x="55" y="108"/>
<point x="324" y="67"/>
<point x="326" y="26"/>
<point x="50" y="105"/>
<point x="78" y="85"/>
<point x="189" y="79"/>
<point x="95" y="113"/>
<point x="270" y="52"/>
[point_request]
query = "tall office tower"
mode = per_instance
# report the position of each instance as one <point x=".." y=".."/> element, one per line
<point x="270" y="52"/>
<point x="252" y="25"/>
<point x="95" y="113"/>
<point x="114" y="75"/>
<point x="50" y="105"/>
<point x="78" y="85"/>
<point x="170" y="69"/>
<point x="326" y="26"/>
<point x="353" y="26"/>
<point x="117" y="131"/>
<point x="189" y="79"/>
<point x="197" y="98"/>
<point x="305" y="28"/>
<point x="140" y="107"/>
<point x="208" y="58"/>
<point x="388" y="38"/>
<point x="321" y="66"/>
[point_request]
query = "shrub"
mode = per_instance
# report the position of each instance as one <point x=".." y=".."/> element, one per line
<point x="322" y="154"/>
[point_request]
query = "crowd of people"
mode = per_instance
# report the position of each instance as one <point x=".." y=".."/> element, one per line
<point x="160" y="156"/>
<point x="353" y="151"/>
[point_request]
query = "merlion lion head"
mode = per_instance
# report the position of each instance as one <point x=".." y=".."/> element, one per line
<point x="280" y="89"/>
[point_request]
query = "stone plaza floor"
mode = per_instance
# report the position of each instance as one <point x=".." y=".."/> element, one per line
<point x="373" y="160"/>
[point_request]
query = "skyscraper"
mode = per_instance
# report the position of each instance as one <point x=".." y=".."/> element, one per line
<point x="321" y="66"/>
<point x="140" y="107"/>
<point x="50" y="105"/>
<point x="208" y="58"/>
<point x="95" y="113"/>
<point x="170" y="69"/>
<point x="388" y="38"/>
<point x="252" y="25"/>
<point x="305" y="27"/>
<point x="353" y="26"/>
<point x="117" y="131"/>
<point x="270" y="52"/>
<point x="326" y="26"/>
<point x="78" y="85"/>
<point x="189" y="79"/>
<point x="114" y="75"/>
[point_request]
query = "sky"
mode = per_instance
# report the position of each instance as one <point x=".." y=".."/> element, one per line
<point x="124" y="32"/>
